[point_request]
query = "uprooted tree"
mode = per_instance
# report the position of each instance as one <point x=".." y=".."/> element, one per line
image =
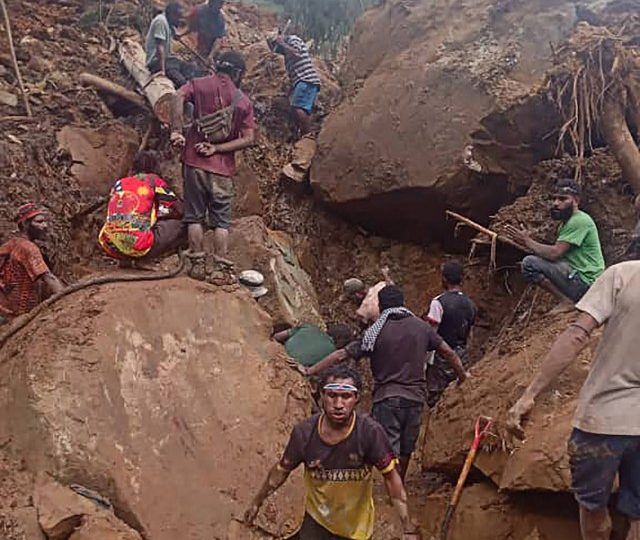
<point x="596" y="86"/>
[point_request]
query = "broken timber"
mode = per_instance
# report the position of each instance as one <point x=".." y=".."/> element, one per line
<point x="158" y="89"/>
<point x="113" y="88"/>
<point x="494" y="237"/>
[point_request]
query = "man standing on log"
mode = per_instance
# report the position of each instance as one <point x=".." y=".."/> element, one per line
<point x="397" y="343"/>
<point x="452" y="314"/>
<point x="25" y="277"/>
<point x="207" y="21"/>
<point x="339" y="449"/>
<point x="567" y="268"/>
<point x="605" y="441"/>
<point x="222" y="113"/>
<point x="158" y="47"/>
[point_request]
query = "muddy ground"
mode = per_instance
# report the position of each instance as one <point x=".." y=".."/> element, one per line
<point x="56" y="41"/>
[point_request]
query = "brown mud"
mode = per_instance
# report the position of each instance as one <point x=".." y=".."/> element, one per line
<point x="69" y="409"/>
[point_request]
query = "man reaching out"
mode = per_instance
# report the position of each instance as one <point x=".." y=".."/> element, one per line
<point x="339" y="448"/>
<point x="605" y="441"/>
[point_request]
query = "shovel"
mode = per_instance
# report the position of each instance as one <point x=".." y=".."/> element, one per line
<point x="483" y="425"/>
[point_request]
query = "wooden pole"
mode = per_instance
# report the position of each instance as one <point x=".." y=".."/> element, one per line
<point x="12" y="50"/>
<point x="491" y="234"/>
<point x="113" y="88"/>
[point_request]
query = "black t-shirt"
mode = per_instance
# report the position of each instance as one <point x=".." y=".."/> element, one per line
<point x="455" y="316"/>
<point x="399" y="356"/>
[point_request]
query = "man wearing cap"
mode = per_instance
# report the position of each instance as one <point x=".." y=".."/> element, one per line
<point x="569" y="267"/>
<point x="339" y="449"/>
<point x="209" y="168"/>
<point x="397" y="345"/>
<point x="25" y="277"/>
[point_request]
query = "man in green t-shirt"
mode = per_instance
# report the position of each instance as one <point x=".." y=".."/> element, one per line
<point x="307" y="344"/>
<point x="569" y="267"/>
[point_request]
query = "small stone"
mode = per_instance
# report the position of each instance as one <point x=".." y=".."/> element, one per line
<point x="9" y="99"/>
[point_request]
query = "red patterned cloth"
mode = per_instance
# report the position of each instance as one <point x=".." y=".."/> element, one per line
<point x="21" y="264"/>
<point x="134" y="207"/>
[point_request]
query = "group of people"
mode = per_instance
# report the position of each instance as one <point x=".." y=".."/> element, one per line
<point x="413" y="358"/>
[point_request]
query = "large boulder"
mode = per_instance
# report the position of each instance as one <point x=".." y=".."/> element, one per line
<point x="291" y="300"/>
<point x="445" y="107"/>
<point x="540" y="462"/>
<point x="168" y="398"/>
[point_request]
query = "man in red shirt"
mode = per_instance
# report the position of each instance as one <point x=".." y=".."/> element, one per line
<point x="23" y="271"/>
<point x="144" y="216"/>
<point x="208" y="167"/>
<point x="207" y="21"/>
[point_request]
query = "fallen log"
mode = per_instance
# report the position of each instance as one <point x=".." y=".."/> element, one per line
<point x="158" y="89"/>
<point x="112" y="88"/>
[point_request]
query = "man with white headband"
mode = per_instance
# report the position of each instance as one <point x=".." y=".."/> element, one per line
<point x="339" y="449"/>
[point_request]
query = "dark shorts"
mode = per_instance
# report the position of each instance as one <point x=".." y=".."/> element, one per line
<point x="304" y="96"/>
<point x="208" y="198"/>
<point x="168" y="235"/>
<point x="401" y="419"/>
<point x="536" y="269"/>
<point x="440" y="375"/>
<point x="312" y="530"/>
<point x="595" y="462"/>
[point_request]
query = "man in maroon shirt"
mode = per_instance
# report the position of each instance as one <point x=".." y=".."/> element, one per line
<point x="209" y="168"/>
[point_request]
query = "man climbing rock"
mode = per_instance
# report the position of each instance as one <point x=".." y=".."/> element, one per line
<point x="452" y="314"/>
<point x="305" y="86"/>
<point x="223" y="125"/>
<point x="355" y="291"/>
<point x="605" y="441"/>
<point x="207" y="21"/>
<point x="308" y="344"/>
<point x="144" y="216"/>
<point x="339" y="449"/>
<point x="25" y="277"/>
<point x="158" y="45"/>
<point x="397" y="343"/>
<point x="567" y="268"/>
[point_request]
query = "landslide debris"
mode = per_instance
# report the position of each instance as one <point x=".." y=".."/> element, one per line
<point x="443" y="111"/>
<point x="172" y="402"/>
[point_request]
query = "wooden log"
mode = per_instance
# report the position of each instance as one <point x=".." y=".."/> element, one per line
<point x="157" y="89"/>
<point x="112" y="88"/>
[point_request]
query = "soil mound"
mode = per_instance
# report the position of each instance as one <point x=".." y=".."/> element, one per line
<point x="141" y="393"/>
<point x="448" y="110"/>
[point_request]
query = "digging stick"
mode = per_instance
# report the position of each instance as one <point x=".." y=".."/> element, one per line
<point x="479" y="432"/>
<point x="491" y="234"/>
<point x="202" y="60"/>
<point x="12" y="50"/>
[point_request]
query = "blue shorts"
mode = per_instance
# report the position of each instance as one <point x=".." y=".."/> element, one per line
<point x="304" y="96"/>
<point x="595" y="462"/>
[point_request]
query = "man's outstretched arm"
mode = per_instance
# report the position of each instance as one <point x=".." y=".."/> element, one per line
<point x="398" y="496"/>
<point x="565" y="350"/>
<point x="277" y="476"/>
<point x="450" y="356"/>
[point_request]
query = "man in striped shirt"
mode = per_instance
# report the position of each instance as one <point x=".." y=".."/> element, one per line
<point x="305" y="83"/>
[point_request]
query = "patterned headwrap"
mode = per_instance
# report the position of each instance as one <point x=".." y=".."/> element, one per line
<point x="28" y="211"/>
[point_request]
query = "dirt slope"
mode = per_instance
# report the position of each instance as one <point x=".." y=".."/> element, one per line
<point x="141" y="393"/>
<point x="448" y="110"/>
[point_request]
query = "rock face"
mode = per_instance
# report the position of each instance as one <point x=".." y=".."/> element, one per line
<point x="140" y="392"/>
<point x="444" y="109"/>
<point x="292" y="299"/>
<point x="541" y="461"/>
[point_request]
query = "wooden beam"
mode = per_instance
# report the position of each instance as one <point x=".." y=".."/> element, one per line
<point x="112" y="88"/>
